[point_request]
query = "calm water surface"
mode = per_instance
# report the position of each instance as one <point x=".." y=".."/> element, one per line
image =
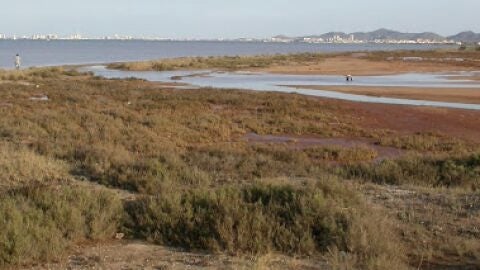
<point x="52" y="53"/>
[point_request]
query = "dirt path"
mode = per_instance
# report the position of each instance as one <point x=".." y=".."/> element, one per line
<point x="140" y="255"/>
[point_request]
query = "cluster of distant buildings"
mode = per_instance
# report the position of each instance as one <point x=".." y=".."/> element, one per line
<point x="41" y="37"/>
<point x="351" y="39"/>
<point x="58" y="37"/>
<point x="334" y="39"/>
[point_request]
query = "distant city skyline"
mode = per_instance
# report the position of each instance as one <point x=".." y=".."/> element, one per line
<point x="211" y="19"/>
<point x="378" y="36"/>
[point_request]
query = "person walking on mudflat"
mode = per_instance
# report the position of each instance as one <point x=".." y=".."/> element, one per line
<point x="18" y="61"/>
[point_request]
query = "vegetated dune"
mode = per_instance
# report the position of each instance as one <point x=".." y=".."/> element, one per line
<point x="357" y="64"/>
<point x="195" y="184"/>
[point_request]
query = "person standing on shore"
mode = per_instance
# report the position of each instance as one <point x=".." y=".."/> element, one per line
<point x="18" y="61"/>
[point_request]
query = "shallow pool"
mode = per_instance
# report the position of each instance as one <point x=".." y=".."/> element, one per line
<point x="279" y="83"/>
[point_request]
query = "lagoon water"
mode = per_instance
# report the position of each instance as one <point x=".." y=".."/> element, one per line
<point x="55" y="53"/>
<point x="293" y="83"/>
<point x="58" y="52"/>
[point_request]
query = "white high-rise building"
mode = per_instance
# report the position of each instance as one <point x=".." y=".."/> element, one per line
<point x="76" y="36"/>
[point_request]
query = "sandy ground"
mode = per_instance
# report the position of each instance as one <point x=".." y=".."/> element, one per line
<point x="343" y="65"/>
<point x="462" y="95"/>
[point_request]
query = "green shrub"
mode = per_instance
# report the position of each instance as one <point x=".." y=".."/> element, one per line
<point x="117" y="167"/>
<point x="221" y="62"/>
<point x="423" y="142"/>
<point x="228" y="164"/>
<point x="39" y="224"/>
<point x="22" y="167"/>
<point x="461" y="171"/>
<point x="252" y="219"/>
<point x="261" y="218"/>
<point x="342" y="154"/>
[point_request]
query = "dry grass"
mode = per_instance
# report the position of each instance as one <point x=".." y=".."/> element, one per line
<point x="305" y="219"/>
<point x="210" y="188"/>
<point x="223" y="62"/>
<point x="371" y="63"/>
<point x="40" y="224"/>
<point x="21" y="167"/>
<point x="32" y="74"/>
<point x="438" y="226"/>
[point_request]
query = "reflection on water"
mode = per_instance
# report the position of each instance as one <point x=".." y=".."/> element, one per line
<point x="279" y="82"/>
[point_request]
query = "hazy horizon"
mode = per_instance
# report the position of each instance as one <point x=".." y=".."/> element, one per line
<point x="221" y="19"/>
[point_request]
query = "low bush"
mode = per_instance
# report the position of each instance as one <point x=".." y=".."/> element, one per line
<point x="463" y="171"/>
<point x="117" y="167"/>
<point x="233" y="163"/>
<point x="22" y="167"/>
<point x="34" y="73"/>
<point x="342" y="154"/>
<point x="424" y="142"/>
<point x="38" y="224"/>
<point x="221" y="62"/>
<point x="261" y="218"/>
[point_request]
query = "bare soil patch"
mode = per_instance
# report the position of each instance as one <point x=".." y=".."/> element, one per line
<point x="462" y="95"/>
<point x="140" y="255"/>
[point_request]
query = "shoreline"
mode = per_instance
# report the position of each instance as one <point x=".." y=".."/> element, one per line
<point x="360" y="63"/>
<point x="464" y="95"/>
<point x="338" y="64"/>
<point x="356" y="63"/>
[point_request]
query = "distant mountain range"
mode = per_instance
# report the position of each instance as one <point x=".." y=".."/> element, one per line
<point x="468" y="36"/>
<point x="386" y="34"/>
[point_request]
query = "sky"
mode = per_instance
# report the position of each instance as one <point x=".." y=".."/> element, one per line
<point x="234" y="18"/>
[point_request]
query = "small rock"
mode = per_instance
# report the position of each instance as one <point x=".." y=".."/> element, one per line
<point x="39" y="98"/>
<point x="119" y="236"/>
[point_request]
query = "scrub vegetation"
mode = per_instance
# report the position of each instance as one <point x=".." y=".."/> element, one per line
<point x="443" y="57"/>
<point x="221" y="62"/>
<point x="173" y="168"/>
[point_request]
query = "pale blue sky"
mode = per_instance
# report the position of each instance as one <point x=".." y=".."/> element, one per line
<point x="239" y="18"/>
